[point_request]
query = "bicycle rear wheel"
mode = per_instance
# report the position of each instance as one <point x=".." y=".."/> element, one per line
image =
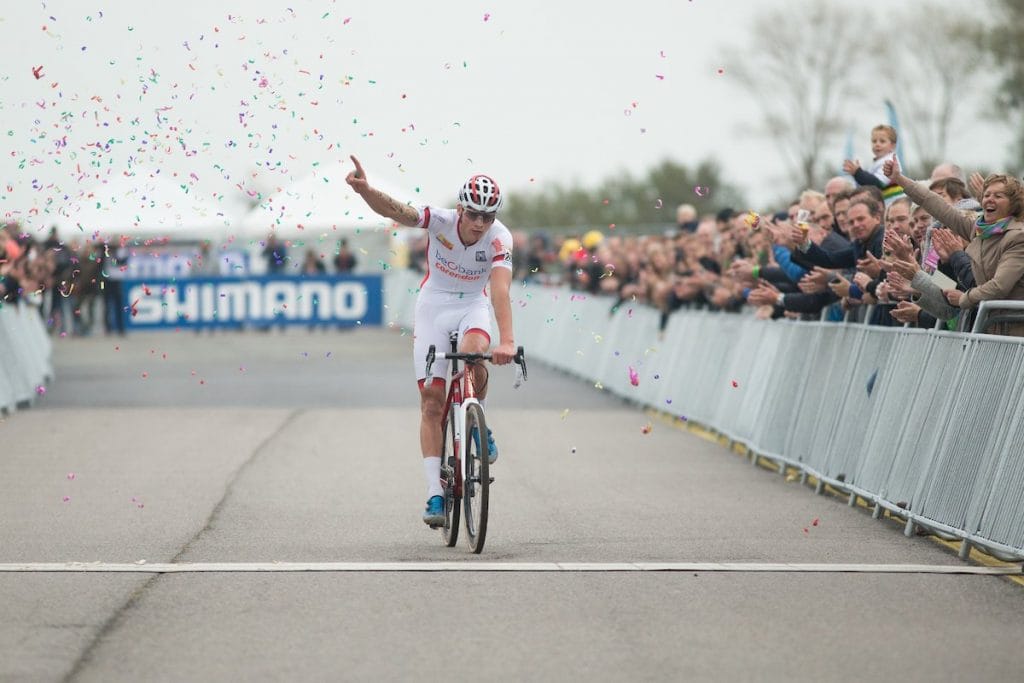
<point x="476" y="487"/>
<point x="449" y="467"/>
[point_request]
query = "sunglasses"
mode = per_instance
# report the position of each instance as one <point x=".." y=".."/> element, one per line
<point x="475" y="215"/>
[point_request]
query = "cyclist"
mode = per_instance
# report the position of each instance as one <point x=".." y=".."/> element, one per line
<point x="468" y="252"/>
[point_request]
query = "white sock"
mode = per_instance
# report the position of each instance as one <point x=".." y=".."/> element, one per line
<point x="432" y="471"/>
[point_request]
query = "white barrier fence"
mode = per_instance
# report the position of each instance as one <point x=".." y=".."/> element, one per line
<point x="25" y="356"/>
<point x="926" y="424"/>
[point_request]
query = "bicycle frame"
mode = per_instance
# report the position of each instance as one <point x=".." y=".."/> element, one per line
<point x="461" y="395"/>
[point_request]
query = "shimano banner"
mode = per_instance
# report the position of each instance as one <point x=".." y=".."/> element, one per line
<point x="254" y="302"/>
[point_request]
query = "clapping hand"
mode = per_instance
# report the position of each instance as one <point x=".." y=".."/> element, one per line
<point x="815" y="281"/>
<point x="946" y="242"/>
<point x="899" y="286"/>
<point x="742" y="269"/>
<point x="977" y="185"/>
<point x="898" y="245"/>
<point x="840" y="286"/>
<point x="953" y="296"/>
<point x="850" y="167"/>
<point x="870" y="265"/>
<point x="764" y="295"/>
<point x="906" y="312"/>
<point x="906" y="269"/>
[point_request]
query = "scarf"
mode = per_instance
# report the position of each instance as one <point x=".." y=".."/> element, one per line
<point x="985" y="230"/>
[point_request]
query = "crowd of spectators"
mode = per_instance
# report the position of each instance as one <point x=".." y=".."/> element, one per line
<point x="872" y="246"/>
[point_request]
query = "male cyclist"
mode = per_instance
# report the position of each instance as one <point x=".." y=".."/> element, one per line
<point x="468" y="251"/>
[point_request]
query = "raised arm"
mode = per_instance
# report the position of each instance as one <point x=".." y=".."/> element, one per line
<point x="381" y="203"/>
<point x="935" y="205"/>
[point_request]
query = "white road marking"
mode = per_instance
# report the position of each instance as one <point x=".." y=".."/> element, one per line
<point x="143" y="567"/>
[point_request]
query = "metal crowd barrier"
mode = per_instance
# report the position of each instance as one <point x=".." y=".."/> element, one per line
<point x="927" y="424"/>
<point x="25" y="356"/>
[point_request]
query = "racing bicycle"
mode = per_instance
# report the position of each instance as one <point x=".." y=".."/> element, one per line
<point x="465" y="475"/>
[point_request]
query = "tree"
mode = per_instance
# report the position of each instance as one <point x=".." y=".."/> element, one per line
<point x="928" y="65"/>
<point x="801" y="65"/>
<point x="1003" y="40"/>
<point x="626" y="201"/>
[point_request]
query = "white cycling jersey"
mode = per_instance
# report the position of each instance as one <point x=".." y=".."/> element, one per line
<point x="457" y="268"/>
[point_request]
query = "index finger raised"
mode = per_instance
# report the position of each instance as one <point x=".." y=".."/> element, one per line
<point x="359" y="166"/>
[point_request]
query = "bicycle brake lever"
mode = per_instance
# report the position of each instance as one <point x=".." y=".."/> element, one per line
<point x="520" y="361"/>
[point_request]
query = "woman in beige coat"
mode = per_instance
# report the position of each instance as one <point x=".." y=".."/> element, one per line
<point x="996" y="246"/>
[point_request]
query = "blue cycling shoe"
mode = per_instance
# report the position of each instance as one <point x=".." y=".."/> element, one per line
<point x="492" y="448"/>
<point x="433" y="516"/>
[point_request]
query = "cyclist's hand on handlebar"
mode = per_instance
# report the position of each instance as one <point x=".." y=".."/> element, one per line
<point x="503" y="353"/>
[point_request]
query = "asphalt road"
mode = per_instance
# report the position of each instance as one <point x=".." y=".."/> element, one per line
<point x="301" y="447"/>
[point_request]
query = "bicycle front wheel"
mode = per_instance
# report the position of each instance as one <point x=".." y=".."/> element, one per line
<point x="476" y="487"/>
<point x="449" y="473"/>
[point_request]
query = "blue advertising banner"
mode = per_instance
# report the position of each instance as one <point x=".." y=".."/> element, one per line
<point x="338" y="300"/>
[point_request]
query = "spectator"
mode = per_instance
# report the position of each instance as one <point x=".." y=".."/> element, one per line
<point x="344" y="260"/>
<point x="275" y="254"/>
<point x="112" y="269"/>
<point x="947" y="170"/>
<point x="686" y="218"/>
<point x="313" y="264"/>
<point x="834" y="187"/>
<point x="996" y="240"/>
<point x="883" y="146"/>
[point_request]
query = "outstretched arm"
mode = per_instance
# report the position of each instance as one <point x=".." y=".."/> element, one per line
<point x="381" y="203"/>
<point x="932" y="203"/>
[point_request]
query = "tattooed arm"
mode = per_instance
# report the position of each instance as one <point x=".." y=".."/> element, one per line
<point x="381" y="203"/>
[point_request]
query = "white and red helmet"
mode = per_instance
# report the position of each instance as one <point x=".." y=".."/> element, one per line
<point x="481" y="193"/>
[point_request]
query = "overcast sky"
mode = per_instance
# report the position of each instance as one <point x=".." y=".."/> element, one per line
<point x="251" y="97"/>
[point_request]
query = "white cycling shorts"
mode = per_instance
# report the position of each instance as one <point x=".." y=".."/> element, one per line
<point x="436" y="318"/>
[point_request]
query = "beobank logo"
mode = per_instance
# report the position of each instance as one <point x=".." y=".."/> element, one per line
<point x="453" y="267"/>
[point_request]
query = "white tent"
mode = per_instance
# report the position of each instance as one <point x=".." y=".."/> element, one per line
<point x="322" y="202"/>
<point x="145" y="204"/>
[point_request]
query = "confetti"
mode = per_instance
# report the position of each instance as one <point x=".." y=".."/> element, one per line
<point x="735" y="384"/>
<point x="701" y="191"/>
<point x="646" y="429"/>
<point x="634" y="378"/>
<point x="658" y="204"/>
<point x="815" y="522"/>
<point x="487" y="16"/>
<point x="41" y="390"/>
<point x="565" y="413"/>
<point x="71" y="475"/>
<point x="37" y="71"/>
<point x="67" y="499"/>
<point x="721" y="71"/>
<point x="572" y="450"/>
